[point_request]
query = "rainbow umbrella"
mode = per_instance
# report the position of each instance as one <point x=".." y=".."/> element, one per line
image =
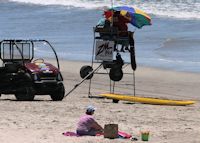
<point x="136" y="17"/>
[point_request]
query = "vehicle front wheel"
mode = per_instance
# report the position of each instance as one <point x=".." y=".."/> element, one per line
<point x="25" y="94"/>
<point x="59" y="93"/>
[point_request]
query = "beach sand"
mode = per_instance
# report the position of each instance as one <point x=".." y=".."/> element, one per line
<point x="44" y="121"/>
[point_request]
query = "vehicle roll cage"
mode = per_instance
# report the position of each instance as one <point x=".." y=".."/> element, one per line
<point x="14" y="42"/>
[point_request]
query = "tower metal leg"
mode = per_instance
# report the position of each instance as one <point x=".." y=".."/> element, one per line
<point x="134" y="82"/>
<point x="90" y="82"/>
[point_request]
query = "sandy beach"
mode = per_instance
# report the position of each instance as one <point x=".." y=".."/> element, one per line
<point x="44" y="121"/>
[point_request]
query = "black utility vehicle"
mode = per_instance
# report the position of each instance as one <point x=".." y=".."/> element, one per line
<point x="24" y="76"/>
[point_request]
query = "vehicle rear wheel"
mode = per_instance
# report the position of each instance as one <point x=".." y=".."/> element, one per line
<point x="59" y="93"/>
<point x="25" y="94"/>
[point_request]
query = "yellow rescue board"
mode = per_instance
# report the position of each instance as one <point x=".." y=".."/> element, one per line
<point x="147" y="100"/>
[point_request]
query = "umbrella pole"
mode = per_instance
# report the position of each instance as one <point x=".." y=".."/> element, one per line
<point x="112" y="3"/>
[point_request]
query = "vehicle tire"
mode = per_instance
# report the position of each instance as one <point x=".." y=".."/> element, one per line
<point x="25" y="94"/>
<point x="115" y="101"/>
<point x="116" y="74"/>
<point x="59" y="93"/>
<point x="85" y="70"/>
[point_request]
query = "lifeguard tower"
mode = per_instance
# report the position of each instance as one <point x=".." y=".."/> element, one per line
<point x="108" y="46"/>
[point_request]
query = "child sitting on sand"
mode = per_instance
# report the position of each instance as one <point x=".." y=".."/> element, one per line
<point x="87" y="125"/>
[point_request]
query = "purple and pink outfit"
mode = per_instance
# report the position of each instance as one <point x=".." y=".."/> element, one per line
<point x="84" y="126"/>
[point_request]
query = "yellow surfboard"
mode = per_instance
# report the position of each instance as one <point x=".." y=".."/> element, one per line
<point x="146" y="100"/>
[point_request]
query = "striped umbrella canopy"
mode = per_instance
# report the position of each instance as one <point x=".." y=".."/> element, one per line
<point x="135" y="16"/>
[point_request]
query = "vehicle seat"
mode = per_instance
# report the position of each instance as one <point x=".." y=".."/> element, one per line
<point x="12" y="67"/>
